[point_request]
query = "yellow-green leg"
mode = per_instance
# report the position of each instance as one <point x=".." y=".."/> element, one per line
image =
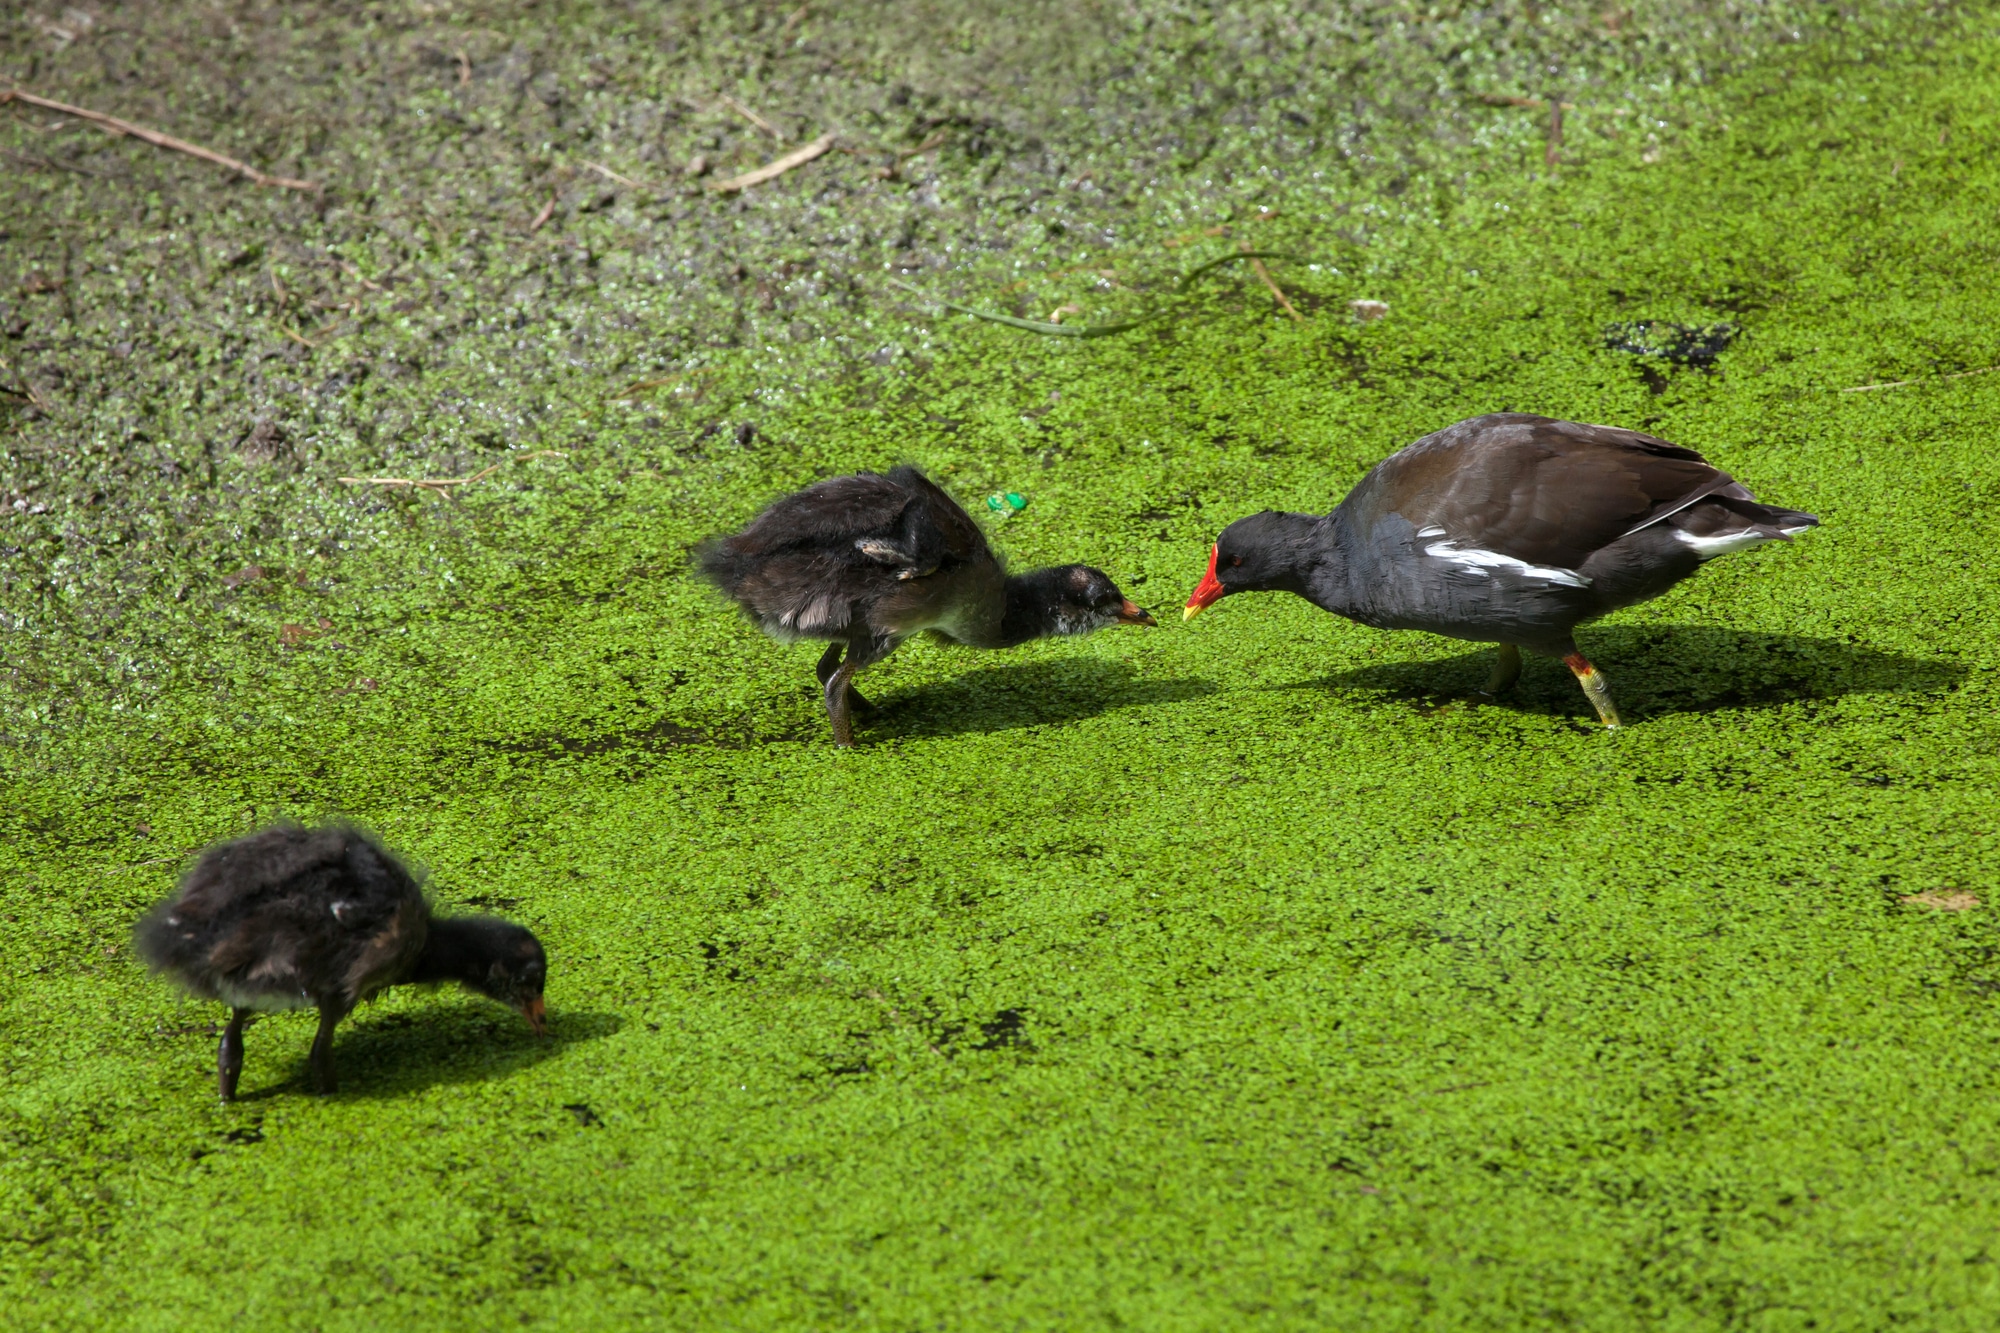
<point x="1594" y="687"/>
<point x="1506" y="670"/>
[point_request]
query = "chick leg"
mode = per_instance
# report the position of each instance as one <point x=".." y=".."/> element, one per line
<point x="1594" y="688"/>
<point x="321" y="1059"/>
<point x="829" y="662"/>
<point x="229" y="1055"/>
<point x="839" y="688"/>
<point x="838" y="710"/>
<point x="1506" y="670"/>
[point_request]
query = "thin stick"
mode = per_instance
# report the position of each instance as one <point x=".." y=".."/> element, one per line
<point x="753" y="117"/>
<point x="1553" y="153"/>
<point x="1091" y="330"/>
<point x="464" y="67"/>
<point x="442" y="485"/>
<point x="797" y="17"/>
<point x="35" y="160"/>
<point x="27" y="391"/>
<point x="923" y="147"/>
<point x="797" y="158"/>
<point x="157" y="139"/>
<point x="1507" y="99"/>
<point x="611" y="175"/>
<point x="637" y="387"/>
<point x="541" y="218"/>
<point x="1277" y="291"/>
<point x="1900" y="384"/>
<point x="355" y="274"/>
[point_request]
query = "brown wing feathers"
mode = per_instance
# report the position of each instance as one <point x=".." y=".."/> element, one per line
<point x="1548" y="492"/>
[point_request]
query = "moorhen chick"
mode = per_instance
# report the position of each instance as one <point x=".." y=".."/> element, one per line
<point x="867" y="560"/>
<point x="1508" y="529"/>
<point x="293" y="916"/>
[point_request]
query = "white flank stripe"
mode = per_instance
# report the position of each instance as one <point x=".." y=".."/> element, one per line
<point x="1710" y="547"/>
<point x="1475" y="560"/>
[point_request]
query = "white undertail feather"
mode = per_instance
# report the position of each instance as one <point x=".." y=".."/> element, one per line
<point x="1710" y="547"/>
<point x="1478" y="561"/>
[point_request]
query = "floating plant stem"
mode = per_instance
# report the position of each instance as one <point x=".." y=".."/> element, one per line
<point x="1055" y="330"/>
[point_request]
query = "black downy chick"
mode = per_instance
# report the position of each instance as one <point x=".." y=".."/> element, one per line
<point x="292" y="916"/>
<point x="867" y="560"/>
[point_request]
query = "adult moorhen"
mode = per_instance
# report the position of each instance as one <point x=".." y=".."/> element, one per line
<point x="868" y="560"/>
<point x="293" y="916"/>
<point x="1508" y="529"/>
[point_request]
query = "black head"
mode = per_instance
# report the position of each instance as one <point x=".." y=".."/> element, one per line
<point x="1082" y="599"/>
<point x="499" y="959"/>
<point x="1267" y="552"/>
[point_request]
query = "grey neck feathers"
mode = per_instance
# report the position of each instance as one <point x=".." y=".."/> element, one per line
<point x="1301" y="553"/>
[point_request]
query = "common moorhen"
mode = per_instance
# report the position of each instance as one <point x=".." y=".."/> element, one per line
<point x="1508" y="529"/>
<point x="868" y="560"/>
<point x="292" y="916"/>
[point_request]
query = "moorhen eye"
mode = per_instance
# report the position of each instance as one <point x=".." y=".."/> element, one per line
<point x="1511" y="529"/>
<point x="867" y="560"/>
<point x="291" y="917"/>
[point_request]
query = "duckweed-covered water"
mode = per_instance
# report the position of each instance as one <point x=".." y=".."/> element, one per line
<point x="1253" y="973"/>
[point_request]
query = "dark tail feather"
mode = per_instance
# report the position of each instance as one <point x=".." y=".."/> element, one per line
<point x="161" y="941"/>
<point x="1756" y="513"/>
<point x="716" y="561"/>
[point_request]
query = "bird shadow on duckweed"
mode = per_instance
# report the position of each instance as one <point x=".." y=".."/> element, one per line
<point x="397" y="1052"/>
<point x="1656" y="670"/>
<point x="1025" y="694"/>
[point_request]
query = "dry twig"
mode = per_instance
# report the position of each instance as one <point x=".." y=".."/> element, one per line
<point x="36" y="160"/>
<point x="1508" y="99"/>
<point x="771" y="171"/>
<point x="443" y="485"/>
<point x="753" y="117"/>
<point x="542" y="218"/>
<point x="1901" y="384"/>
<point x="1553" y="153"/>
<point x="355" y="274"/>
<point x="157" y="139"/>
<point x="611" y="175"/>
<point x="1941" y="901"/>
<point x="798" y="16"/>
<point x="638" y="387"/>
<point x="464" y="67"/>
<point x="1277" y="291"/>
<point x="27" y="390"/>
<point x="923" y="147"/>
